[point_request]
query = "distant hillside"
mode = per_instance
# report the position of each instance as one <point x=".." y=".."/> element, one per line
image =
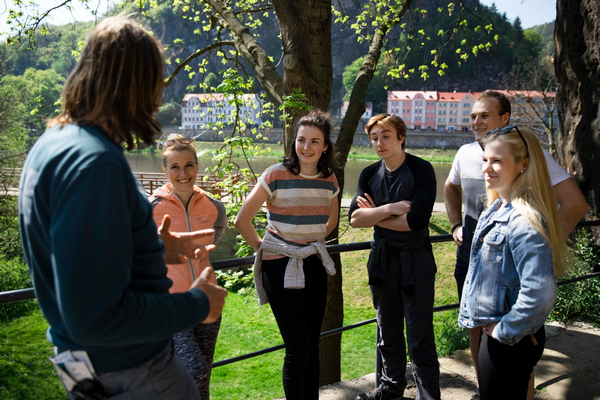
<point x="476" y="74"/>
<point x="547" y="32"/>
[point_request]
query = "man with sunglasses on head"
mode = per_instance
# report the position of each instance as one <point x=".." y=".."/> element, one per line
<point x="465" y="182"/>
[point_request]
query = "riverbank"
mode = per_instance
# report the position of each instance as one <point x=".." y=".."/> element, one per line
<point x="276" y="151"/>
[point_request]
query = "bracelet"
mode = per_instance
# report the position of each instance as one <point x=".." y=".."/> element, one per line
<point x="454" y="227"/>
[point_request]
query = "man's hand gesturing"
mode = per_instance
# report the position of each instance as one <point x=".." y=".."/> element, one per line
<point x="179" y="246"/>
<point x="215" y="293"/>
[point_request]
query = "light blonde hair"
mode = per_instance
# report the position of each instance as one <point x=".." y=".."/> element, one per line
<point x="177" y="146"/>
<point x="117" y="83"/>
<point x="532" y="194"/>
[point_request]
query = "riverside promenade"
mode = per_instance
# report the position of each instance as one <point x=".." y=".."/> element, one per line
<point x="568" y="370"/>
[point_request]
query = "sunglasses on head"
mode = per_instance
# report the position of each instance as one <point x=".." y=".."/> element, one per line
<point x="506" y="129"/>
<point x="171" y="142"/>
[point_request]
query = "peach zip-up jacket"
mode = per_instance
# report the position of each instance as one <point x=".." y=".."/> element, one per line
<point x="203" y="212"/>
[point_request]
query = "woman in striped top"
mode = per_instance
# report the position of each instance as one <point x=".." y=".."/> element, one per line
<point x="292" y="263"/>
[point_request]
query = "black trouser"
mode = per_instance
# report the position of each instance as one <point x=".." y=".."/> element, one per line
<point x="460" y="274"/>
<point x="504" y="370"/>
<point x="393" y="304"/>
<point x="299" y="314"/>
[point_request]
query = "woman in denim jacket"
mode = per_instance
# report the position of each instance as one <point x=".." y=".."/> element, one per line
<point x="517" y="252"/>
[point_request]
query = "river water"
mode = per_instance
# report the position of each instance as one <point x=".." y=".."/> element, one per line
<point x="152" y="163"/>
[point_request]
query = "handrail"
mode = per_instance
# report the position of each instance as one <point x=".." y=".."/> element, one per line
<point x="367" y="322"/>
<point x="28" y="294"/>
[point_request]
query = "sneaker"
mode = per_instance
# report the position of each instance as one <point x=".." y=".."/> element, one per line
<point x="476" y="397"/>
<point x="379" y="394"/>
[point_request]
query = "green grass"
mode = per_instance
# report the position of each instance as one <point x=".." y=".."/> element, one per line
<point x="26" y="373"/>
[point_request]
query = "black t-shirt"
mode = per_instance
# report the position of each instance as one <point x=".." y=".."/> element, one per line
<point x="414" y="181"/>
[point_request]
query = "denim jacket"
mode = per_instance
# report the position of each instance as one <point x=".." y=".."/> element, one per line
<point x="511" y="276"/>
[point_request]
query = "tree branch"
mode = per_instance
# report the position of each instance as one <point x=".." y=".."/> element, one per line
<point x="356" y="106"/>
<point x="253" y="54"/>
<point x="196" y="54"/>
<point x="256" y="10"/>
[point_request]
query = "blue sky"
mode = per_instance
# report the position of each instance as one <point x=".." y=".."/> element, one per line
<point x="531" y="12"/>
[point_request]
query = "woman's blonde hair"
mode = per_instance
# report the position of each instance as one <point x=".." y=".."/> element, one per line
<point x="118" y="82"/>
<point x="177" y="146"/>
<point x="532" y="194"/>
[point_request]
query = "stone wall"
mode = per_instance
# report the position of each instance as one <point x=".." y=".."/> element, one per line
<point x="414" y="139"/>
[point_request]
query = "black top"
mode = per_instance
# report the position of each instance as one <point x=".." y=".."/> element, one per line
<point x="414" y="181"/>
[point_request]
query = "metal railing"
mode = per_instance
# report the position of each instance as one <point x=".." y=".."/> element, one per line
<point x="29" y="294"/>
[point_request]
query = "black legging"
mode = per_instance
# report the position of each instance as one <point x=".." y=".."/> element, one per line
<point x="504" y="370"/>
<point x="299" y="314"/>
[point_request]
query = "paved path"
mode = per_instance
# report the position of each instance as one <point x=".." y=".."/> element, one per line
<point x="568" y="370"/>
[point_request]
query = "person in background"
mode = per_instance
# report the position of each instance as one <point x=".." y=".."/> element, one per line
<point x="96" y="259"/>
<point x="191" y="209"/>
<point x="292" y="262"/>
<point x="465" y="185"/>
<point x="518" y="250"/>
<point x="395" y="196"/>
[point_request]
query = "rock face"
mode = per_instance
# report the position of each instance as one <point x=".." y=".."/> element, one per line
<point x="577" y="65"/>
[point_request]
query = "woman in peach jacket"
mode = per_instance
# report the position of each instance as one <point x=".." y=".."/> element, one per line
<point x="190" y="209"/>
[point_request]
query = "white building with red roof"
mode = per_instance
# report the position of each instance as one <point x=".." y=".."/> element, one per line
<point x="433" y="110"/>
<point x="199" y="110"/>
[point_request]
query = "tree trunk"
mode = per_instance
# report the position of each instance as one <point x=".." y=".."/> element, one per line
<point x="306" y="36"/>
<point x="577" y="66"/>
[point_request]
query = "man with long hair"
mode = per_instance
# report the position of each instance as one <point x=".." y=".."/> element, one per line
<point x="96" y="260"/>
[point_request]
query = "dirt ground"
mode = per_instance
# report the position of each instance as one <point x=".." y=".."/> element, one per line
<point x="568" y="370"/>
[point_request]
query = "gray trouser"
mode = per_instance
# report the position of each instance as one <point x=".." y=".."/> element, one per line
<point x="196" y="347"/>
<point x="164" y="377"/>
<point x="393" y="304"/>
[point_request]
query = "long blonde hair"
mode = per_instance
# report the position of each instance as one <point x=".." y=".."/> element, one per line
<point x="532" y="194"/>
<point x="118" y="82"/>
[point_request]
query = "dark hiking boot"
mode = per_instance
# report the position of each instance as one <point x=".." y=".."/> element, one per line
<point x="380" y="393"/>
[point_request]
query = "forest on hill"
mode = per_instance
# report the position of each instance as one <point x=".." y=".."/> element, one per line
<point x="35" y="70"/>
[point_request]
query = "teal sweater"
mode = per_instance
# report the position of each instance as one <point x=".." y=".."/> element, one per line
<point x="94" y="254"/>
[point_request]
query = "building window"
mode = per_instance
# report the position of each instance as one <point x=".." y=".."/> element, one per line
<point x="466" y="104"/>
